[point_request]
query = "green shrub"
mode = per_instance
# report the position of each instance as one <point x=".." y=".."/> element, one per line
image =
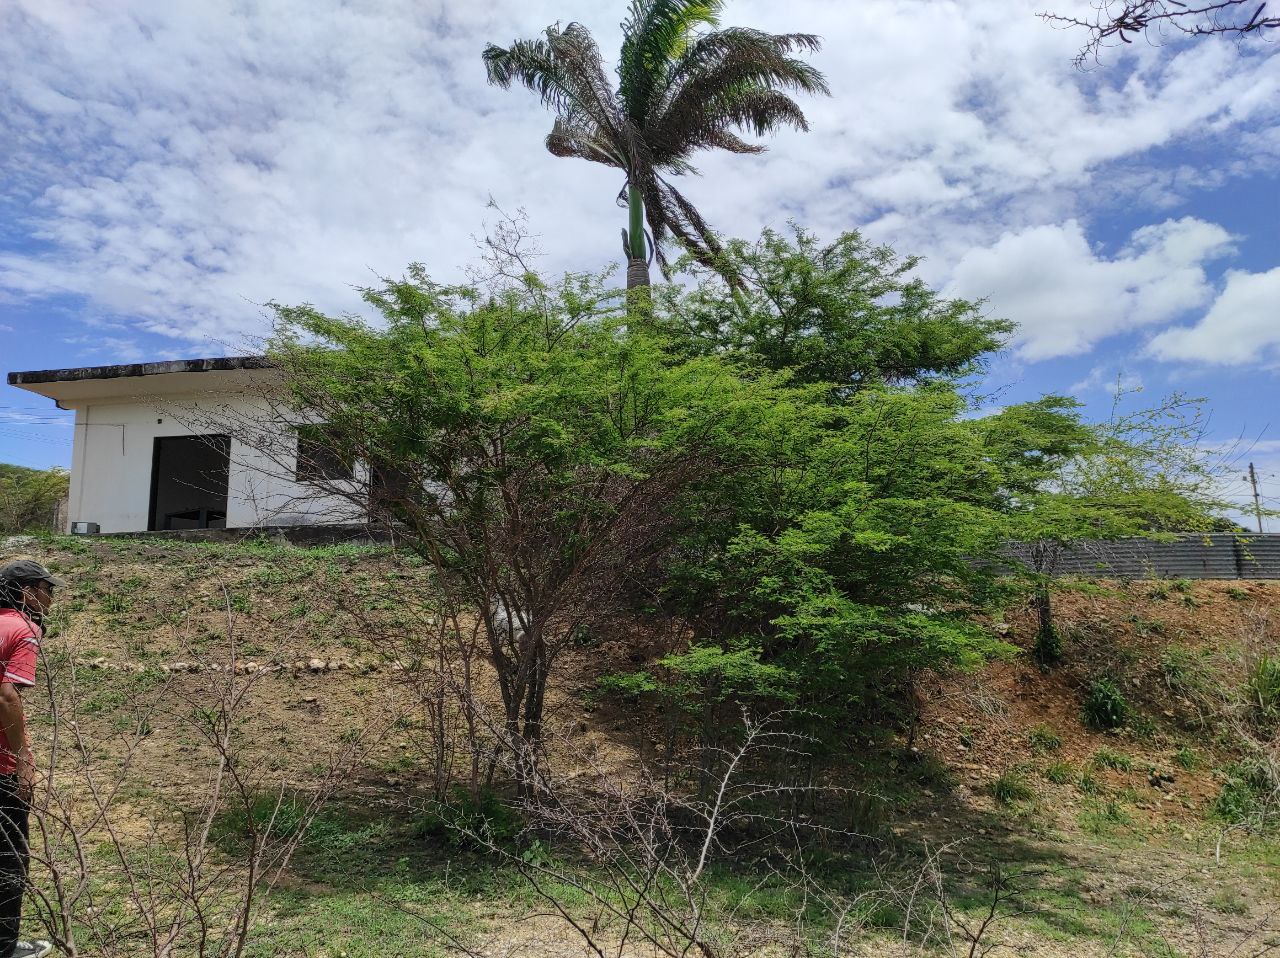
<point x="1044" y="740"/>
<point x="1088" y="784"/>
<point x="1106" y="758"/>
<point x="1186" y="758"/>
<point x="1262" y="690"/>
<point x="1105" y="706"/>
<point x="1060" y="772"/>
<point x="1047" y="650"/>
<point x="1237" y="594"/>
<point x="470" y="821"/>
<point x="628" y="686"/>
<point x="1250" y="795"/>
<point x="1011" y="787"/>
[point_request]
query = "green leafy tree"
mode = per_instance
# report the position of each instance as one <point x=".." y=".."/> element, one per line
<point x="683" y="86"/>
<point x="529" y="447"/>
<point x="845" y="313"/>
<point x="1144" y="471"/>
<point x="30" y="498"/>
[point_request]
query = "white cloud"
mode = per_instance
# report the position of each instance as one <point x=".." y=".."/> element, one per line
<point x="181" y="163"/>
<point x="1242" y="325"/>
<point x="1066" y="296"/>
<point x="1108" y="380"/>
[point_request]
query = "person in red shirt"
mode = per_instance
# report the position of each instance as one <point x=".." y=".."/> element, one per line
<point x="26" y="594"/>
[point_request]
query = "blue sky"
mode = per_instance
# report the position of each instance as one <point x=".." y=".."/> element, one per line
<point x="169" y="167"/>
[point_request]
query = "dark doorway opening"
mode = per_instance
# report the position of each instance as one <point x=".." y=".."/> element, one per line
<point x="189" y="477"/>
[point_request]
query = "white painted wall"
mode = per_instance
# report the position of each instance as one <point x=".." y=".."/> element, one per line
<point x="115" y="441"/>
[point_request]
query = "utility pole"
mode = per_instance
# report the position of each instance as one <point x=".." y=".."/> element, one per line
<point x="1257" y="503"/>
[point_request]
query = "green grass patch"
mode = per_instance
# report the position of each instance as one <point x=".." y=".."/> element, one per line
<point x="1105" y="706"/>
<point x="1012" y="787"/>
<point x="1044" y="740"/>
<point x="1116" y="761"/>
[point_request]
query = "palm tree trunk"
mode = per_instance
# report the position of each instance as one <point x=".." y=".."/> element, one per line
<point x="637" y="254"/>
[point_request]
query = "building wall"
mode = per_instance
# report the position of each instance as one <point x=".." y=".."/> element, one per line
<point x="112" y="458"/>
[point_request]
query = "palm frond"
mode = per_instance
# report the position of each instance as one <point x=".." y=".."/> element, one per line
<point x="563" y="68"/>
<point x="739" y="47"/>
<point x="669" y="212"/>
<point x="576" y="52"/>
<point x="655" y="34"/>
<point x="583" y="141"/>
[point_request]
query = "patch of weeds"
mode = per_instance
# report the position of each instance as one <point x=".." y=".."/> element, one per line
<point x="1187" y="759"/>
<point x="1262" y="690"/>
<point x="1060" y="773"/>
<point x="1248" y="796"/>
<point x="105" y="693"/>
<point x="1143" y="728"/>
<point x="1184" y="671"/>
<point x="240" y="602"/>
<point x="1105" y="706"/>
<point x="1116" y="761"/>
<point x="116" y="603"/>
<point x="400" y="765"/>
<point x="1103" y="816"/>
<point x="1011" y="787"/>
<point x="1159" y="590"/>
<point x="1044" y="740"/>
<point x="465" y="820"/>
<point x="1088" y="784"/>
<point x="1229" y="902"/>
<point x="1237" y="594"/>
<point x="926" y="771"/>
<point x="1143" y="626"/>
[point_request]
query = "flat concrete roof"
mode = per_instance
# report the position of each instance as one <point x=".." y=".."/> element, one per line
<point x="77" y="374"/>
<point x="84" y="384"/>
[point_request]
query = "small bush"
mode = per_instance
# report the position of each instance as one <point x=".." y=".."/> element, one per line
<point x="1060" y="773"/>
<point x="1187" y="759"/>
<point x="1250" y="796"/>
<point x="1047" y="650"/>
<point x="628" y="686"/>
<point x="1044" y="740"/>
<point x="1262" y="690"/>
<point x="1105" y="706"/>
<point x="1237" y="594"/>
<point x="1011" y="787"/>
<point x="1106" y="758"/>
<point x="468" y="821"/>
<point x="1089" y="785"/>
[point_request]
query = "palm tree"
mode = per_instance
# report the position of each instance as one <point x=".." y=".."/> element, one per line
<point x="683" y="86"/>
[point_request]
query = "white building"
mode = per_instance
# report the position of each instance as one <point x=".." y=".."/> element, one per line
<point x="149" y="453"/>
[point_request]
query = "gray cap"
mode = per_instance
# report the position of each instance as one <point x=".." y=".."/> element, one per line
<point x="27" y="570"/>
